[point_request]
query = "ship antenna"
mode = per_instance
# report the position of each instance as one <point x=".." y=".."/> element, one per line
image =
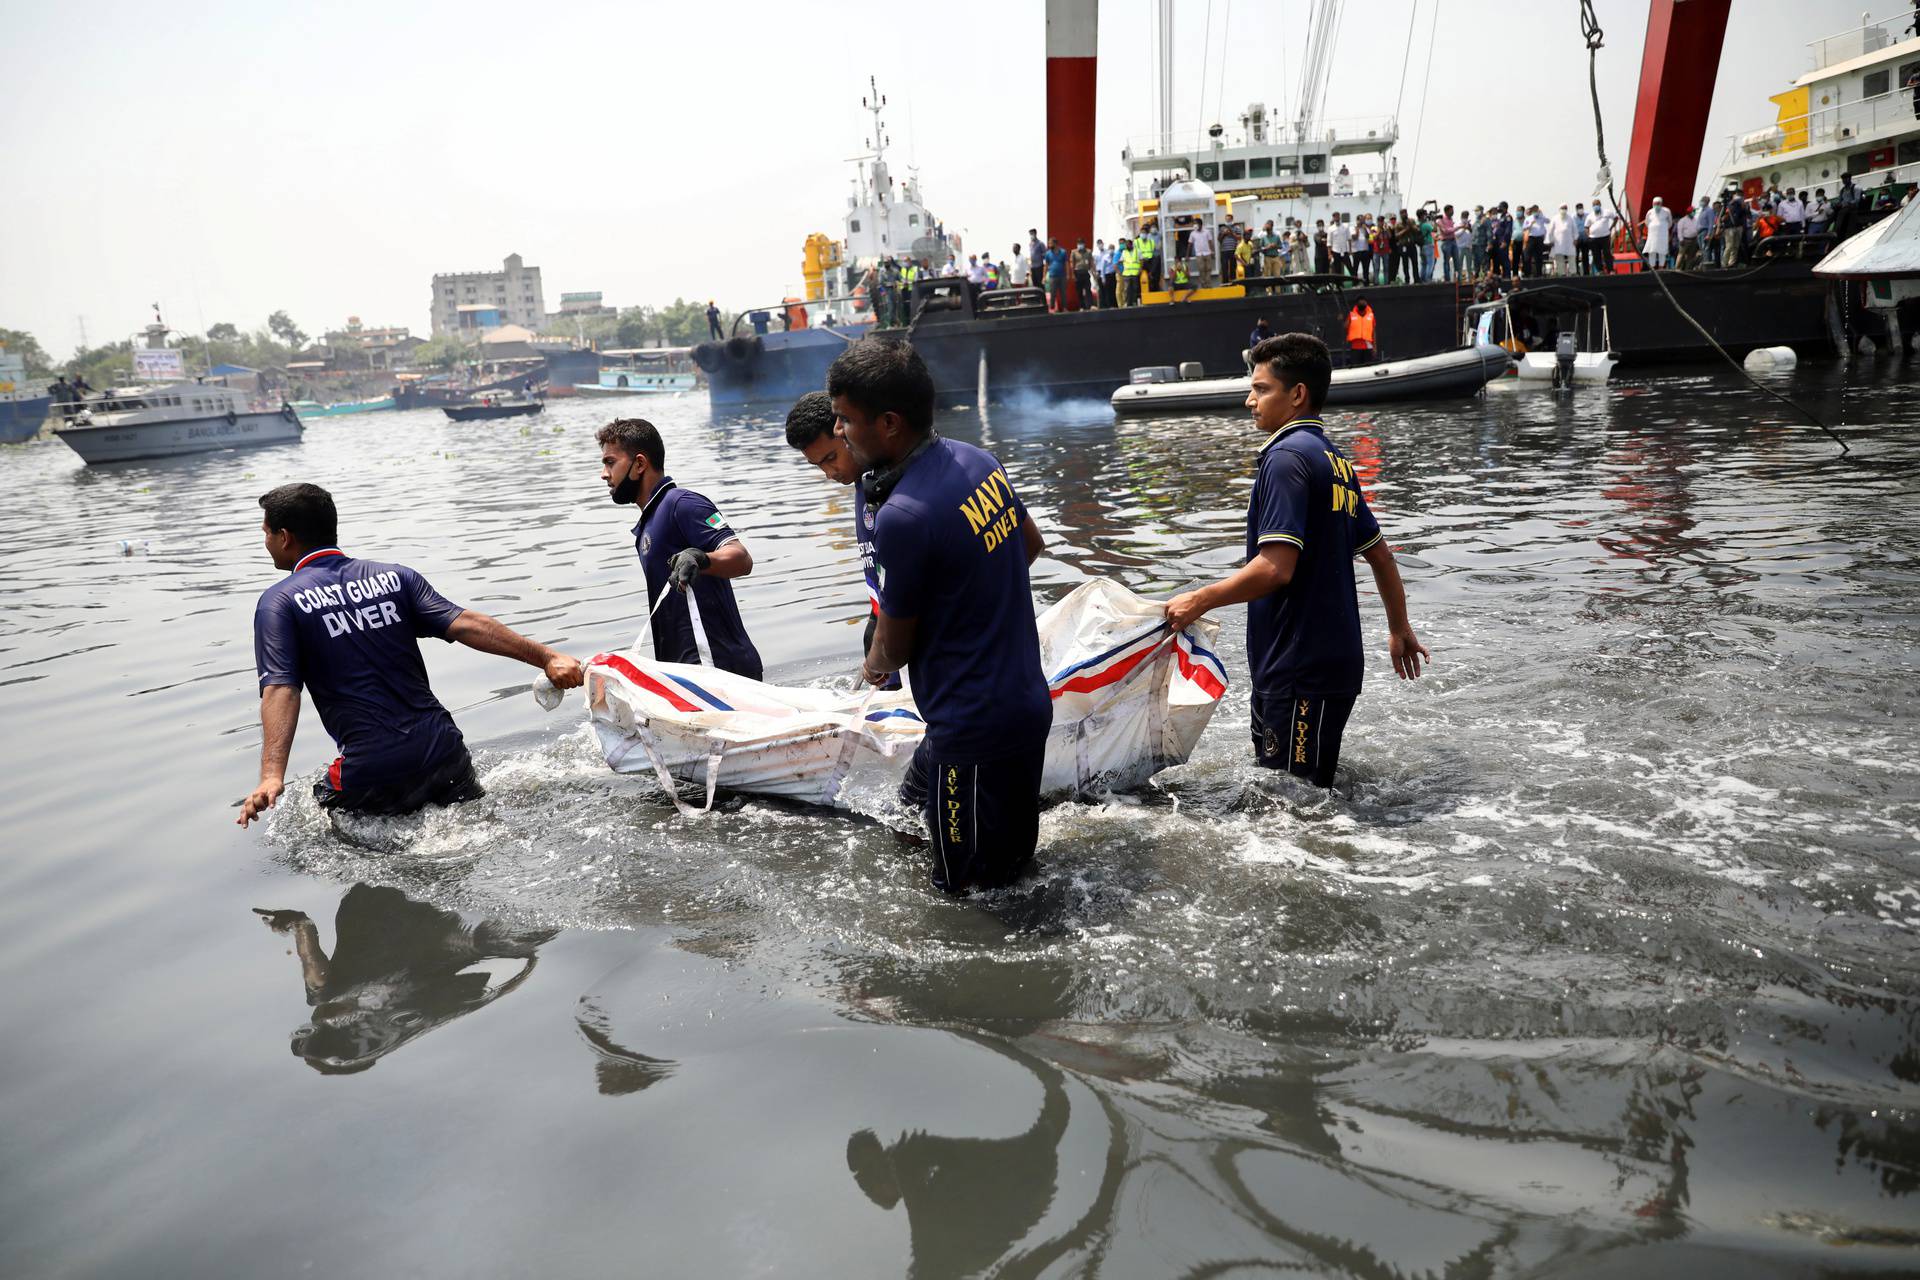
<point x="1595" y="39"/>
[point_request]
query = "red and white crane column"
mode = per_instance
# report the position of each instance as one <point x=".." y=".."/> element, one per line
<point x="1073" y="29"/>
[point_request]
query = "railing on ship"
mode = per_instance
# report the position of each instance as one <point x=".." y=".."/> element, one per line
<point x="1197" y="144"/>
<point x="1840" y="122"/>
<point x="1855" y="42"/>
<point x="782" y="316"/>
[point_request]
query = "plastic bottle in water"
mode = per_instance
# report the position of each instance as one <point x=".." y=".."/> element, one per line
<point x="546" y="693"/>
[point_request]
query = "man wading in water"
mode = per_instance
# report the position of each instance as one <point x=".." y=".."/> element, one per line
<point x="682" y="539"/>
<point x="810" y="429"/>
<point x="349" y="630"/>
<point x="952" y="543"/>
<point x="1306" y="521"/>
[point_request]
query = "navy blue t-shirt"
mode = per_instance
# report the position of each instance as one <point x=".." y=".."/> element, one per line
<point x="673" y="520"/>
<point x="1304" y="640"/>
<point x="948" y="552"/>
<point x="348" y="630"/>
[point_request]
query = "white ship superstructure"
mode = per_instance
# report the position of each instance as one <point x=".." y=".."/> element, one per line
<point x="1273" y="166"/>
<point x="1856" y="112"/>
<point x="886" y="217"/>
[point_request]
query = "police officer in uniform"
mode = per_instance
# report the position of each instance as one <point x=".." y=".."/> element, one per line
<point x="1306" y="520"/>
<point x="683" y="540"/>
<point x="952" y="542"/>
<point x="810" y="429"/>
<point x="348" y="630"/>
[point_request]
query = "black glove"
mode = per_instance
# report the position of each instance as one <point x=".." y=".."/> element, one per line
<point x="686" y="566"/>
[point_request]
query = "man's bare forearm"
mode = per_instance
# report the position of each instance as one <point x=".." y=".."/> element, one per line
<point x="1386" y="577"/>
<point x="313" y="959"/>
<point x="1266" y="573"/>
<point x="279" y="716"/>
<point x="729" y="560"/>
<point x="477" y="630"/>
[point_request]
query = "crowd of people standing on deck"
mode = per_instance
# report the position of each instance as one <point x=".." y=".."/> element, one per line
<point x="1434" y="243"/>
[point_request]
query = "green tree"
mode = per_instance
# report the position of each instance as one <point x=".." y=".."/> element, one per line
<point x="27" y="347"/>
<point x="603" y="330"/>
<point x="638" y="326"/>
<point x="444" y="352"/>
<point x="283" y="328"/>
<point x="223" y="332"/>
<point x="684" y="323"/>
<point x="102" y="366"/>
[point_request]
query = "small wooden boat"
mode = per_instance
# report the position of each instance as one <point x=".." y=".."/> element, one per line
<point x="1447" y="375"/>
<point x="497" y="409"/>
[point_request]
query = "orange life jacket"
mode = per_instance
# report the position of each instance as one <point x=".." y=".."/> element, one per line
<point x="1360" y="329"/>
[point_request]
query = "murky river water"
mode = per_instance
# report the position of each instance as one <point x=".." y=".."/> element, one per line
<point x="1602" y="960"/>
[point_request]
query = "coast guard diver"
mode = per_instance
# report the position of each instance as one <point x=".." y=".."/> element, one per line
<point x="683" y="539"/>
<point x="810" y="429"/>
<point x="1306" y="520"/>
<point x="348" y="630"/>
<point x="952" y="543"/>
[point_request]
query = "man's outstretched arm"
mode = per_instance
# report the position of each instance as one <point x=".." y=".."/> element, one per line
<point x="279" y="714"/>
<point x="1267" y="572"/>
<point x="478" y="631"/>
<point x="1405" y="647"/>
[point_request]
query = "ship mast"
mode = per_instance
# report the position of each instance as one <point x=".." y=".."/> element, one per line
<point x="1165" y="24"/>
<point x="877" y="144"/>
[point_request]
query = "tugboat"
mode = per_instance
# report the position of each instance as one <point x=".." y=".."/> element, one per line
<point x="22" y="411"/>
<point x="885" y="220"/>
<point x="174" y="416"/>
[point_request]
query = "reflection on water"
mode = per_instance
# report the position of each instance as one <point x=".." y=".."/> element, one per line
<point x="1601" y="954"/>
<point x="399" y="969"/>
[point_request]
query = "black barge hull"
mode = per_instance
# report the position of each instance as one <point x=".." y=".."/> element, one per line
<point x="1090" y="353"/>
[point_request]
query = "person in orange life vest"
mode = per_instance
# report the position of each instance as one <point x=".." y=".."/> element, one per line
<point x="1360" y="334"/>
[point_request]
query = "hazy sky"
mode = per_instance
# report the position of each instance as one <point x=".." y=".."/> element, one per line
<point x="228" y="159"/>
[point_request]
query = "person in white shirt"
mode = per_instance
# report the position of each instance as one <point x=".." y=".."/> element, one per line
<point x="1340" y="245"/>
<point x="1600" y="228"/>
<point x="1200" y="255"/>
<point x="1017" y="269"/>
<point x="1658" y="225"/>
<point x="1792" y="212"/>
<point x="1687" y="235"/>
<point x="1819" y="213"/>
<point x="1563" y="234"/>
<point x="975" y="271"/>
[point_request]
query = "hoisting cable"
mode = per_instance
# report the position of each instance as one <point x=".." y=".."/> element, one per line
<point x="1590" y="32"/>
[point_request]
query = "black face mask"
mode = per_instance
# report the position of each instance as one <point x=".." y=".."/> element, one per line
<point x="627" y="492"/>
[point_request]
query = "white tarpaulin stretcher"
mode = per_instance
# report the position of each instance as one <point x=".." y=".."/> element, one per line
<point x="1129" y="699"/>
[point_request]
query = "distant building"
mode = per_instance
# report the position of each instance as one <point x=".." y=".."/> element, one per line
<point x="357" y="347"/>
<point x="464" y="301"/>
<point x="580" y="306"/>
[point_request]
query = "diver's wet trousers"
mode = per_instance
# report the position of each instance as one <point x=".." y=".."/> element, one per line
<point x="983" y="820"/>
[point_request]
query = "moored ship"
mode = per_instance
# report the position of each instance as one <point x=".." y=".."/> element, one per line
<point x="1278" y="171"/>
<point x="23" y="411"/>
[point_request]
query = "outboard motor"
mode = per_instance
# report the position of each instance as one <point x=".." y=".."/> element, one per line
<point x="1153" y="373"/>
<point x="1565" y="347"/>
